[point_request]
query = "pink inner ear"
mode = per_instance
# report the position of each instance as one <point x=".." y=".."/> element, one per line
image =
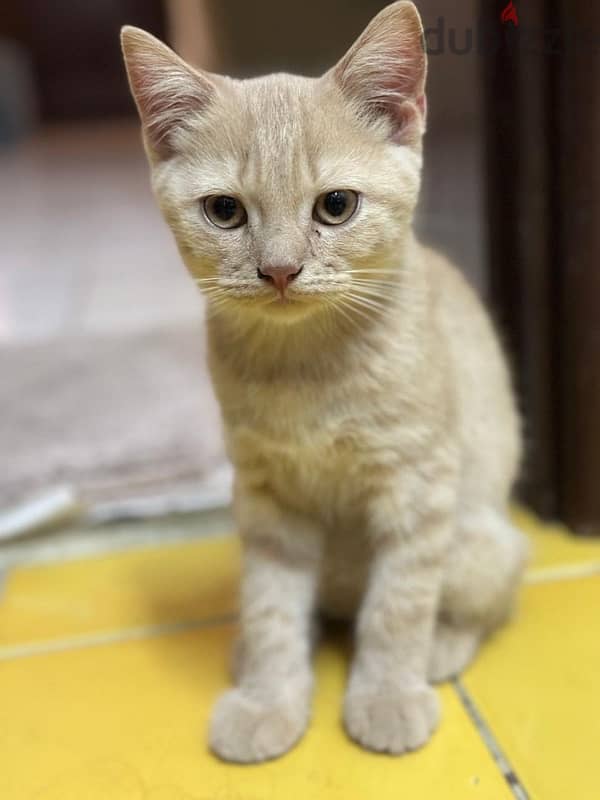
<point x="385" y="70"/>
<point x="389" y="83"/>
<point x="167" y="93"/>
<point x="166" y="109"/>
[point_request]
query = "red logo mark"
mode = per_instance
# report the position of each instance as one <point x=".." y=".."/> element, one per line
<point x="509" y="14"/>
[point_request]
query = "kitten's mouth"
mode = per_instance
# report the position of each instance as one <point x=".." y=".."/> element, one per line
<point x="288" y="306"/>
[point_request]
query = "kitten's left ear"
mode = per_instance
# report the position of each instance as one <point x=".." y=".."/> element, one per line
<point x="384" y="71"/>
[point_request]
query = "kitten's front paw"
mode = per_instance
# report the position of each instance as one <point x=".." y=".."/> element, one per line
<point x="391" y="721"/>
<point x="246" y="730"/>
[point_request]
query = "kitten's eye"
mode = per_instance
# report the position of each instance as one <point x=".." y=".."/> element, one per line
<point x="224" y="211"/>
<point x="336" y="207"/>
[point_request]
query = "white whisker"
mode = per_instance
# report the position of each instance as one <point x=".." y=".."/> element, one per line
<point x="372" y="271"/>
<point x="337" y="305"/>
<point x="369" y="291"/>
<point x="369" y="282"/>
<point x="367" y="302"/>
<point x="351" y="304"/>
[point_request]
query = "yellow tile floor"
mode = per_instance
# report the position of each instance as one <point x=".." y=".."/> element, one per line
<point x="109" y="667"/>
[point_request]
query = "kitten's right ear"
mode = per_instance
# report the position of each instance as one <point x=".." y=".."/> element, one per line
<point x="166" y="90"/>
<point x="384" y="72"/>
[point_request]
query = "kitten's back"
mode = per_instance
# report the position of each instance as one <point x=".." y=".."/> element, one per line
<point x="490" y="424"/>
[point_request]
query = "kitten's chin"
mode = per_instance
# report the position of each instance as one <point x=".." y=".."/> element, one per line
<point x="287" y="311"/>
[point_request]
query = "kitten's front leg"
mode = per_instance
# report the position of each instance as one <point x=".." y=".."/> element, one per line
<point x="268" y="711"/>
<point x="389" y="706"/>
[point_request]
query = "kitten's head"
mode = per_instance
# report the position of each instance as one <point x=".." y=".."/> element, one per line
<point x="286" y="194"/>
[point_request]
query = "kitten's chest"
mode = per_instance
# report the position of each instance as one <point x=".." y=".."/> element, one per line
<point x="305" y="450"/>
<point x="305" y="470"/>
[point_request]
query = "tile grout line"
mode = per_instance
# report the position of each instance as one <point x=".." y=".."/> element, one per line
<point x="50" y="647"/>
<point x="490" y="741"/>
<point x="562" y="572"/>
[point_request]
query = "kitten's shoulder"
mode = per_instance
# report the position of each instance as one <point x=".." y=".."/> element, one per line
<point x="459" y="312"/>
<point x="444" y="276"/>
<point x="452" y="295"/>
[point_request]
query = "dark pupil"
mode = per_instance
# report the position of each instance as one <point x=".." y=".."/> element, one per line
<point x="335" y="203"/>
<point x="225" y="207"/>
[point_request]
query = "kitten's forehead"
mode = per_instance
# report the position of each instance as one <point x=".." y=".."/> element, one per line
<point x="278" y="119"/>
<point x="290" y="131"/>
<point x="281" y="100"/>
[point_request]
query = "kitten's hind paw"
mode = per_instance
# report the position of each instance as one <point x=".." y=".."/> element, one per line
<point x="246" y="730"/>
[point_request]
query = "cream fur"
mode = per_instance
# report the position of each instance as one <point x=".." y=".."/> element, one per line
<point x="370" y="416"/>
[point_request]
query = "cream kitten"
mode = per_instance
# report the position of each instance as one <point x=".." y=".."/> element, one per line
<point x="367" y="405"/>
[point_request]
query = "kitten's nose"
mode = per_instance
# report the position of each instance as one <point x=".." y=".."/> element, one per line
<point x="279" y="275"/>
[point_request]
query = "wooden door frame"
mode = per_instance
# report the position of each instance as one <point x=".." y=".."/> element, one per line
<point x="542" y="111"/>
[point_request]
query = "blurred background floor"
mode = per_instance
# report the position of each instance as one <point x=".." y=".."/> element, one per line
<point x="99" y="321"/>
<point x="85" y="250"/>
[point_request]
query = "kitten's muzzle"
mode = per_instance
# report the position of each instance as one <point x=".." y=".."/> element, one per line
<point x="280" y="275"/>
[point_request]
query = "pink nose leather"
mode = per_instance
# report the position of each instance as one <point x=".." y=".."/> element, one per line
<point x="280" y="275"/>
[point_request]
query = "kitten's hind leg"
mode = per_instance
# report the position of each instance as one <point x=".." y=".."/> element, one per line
<point x="453" y="649"/>
<point x="481" y="578"/>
